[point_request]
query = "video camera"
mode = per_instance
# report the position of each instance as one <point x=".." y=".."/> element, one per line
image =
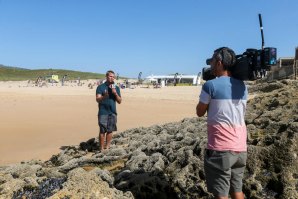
<point x="251" y="65"/>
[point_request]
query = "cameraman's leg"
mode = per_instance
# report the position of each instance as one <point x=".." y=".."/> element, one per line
<point x="218" y="173"/>
<point x="237" y="195"/>
<point x="237" y="176"/>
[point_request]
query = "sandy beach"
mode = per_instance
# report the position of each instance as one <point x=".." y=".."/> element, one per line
<point x="36" y="121"/>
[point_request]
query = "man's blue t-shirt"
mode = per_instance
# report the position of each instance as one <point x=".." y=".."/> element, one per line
<point x="108" y="105"/>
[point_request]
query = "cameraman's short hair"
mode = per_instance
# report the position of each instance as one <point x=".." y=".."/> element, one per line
<point x="227" y="56"/>
<point x="108" y="72"/>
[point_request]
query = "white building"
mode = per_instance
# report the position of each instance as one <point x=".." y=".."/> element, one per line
<point x="163" y="80"/>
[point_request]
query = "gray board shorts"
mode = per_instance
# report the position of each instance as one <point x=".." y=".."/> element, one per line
<point x="107" y="123"/>
<point x="224" y="171"/>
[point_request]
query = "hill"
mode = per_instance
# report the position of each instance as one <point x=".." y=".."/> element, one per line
<point x="8" y="73"/>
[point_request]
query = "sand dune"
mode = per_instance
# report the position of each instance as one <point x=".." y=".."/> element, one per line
<point x="36" y="121"/>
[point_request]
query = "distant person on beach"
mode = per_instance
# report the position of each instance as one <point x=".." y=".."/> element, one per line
<point x="79" y="81"/>
<point x="107" y="94"/>
<point x="224" y="98"/>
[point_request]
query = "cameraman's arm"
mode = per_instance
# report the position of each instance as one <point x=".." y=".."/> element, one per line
<point x="201" y="109"/>
<point x="204" y="99"/>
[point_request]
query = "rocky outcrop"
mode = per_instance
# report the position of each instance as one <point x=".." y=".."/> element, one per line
<point x="166" y="161"/>
<point x="272" y="121"/>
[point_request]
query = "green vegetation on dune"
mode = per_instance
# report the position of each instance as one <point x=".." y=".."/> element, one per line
<point x="20" y="74"/>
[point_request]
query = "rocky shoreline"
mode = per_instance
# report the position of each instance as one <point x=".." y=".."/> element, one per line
<point x="166" y="161"/>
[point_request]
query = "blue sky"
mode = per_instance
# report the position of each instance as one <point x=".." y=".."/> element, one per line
<point x="131" y="36"/>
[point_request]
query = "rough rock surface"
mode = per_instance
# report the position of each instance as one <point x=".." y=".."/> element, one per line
<point x="272" y="121"/>
<point x="166" y="161"/>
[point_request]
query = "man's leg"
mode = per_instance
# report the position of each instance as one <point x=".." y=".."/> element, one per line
<point x="237" y="195"/>
<point x="221" y="197"/>
<point x="109" y="139"/>
<point x="102" y="141"/>
<point x="103" y="123"/>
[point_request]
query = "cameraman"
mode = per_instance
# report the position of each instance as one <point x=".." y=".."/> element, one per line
<point x="224" y="98"/>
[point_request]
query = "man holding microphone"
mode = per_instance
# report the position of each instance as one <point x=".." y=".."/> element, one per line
<point x="107" y="94"/>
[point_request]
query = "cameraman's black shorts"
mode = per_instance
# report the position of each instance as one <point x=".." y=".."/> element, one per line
<point x="107" y="123"/>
